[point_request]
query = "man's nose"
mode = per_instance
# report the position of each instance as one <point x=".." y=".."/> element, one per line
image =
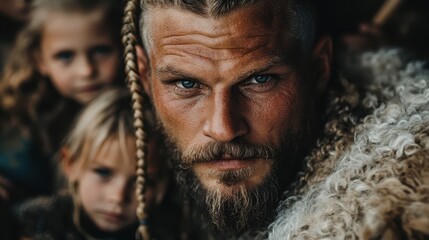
<point x="225" y="120"/>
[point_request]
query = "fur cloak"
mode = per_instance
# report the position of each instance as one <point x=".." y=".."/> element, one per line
<point x="368" y="177"/>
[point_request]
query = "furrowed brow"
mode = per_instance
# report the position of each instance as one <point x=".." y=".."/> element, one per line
<point x="172" y="71"/>
<point x="169" y="70"/>
<point x="273" y="62"/>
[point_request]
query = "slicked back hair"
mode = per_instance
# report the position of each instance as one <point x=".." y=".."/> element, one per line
<point x="302" y="27"/>
<point x="301" y="14"/>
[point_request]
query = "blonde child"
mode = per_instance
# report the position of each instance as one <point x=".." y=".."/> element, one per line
<point x="68" y="52"/>
<point x="98" y="159"/>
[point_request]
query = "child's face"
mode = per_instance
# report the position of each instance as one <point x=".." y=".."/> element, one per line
<point x="79" y="54"/>
<point x="106" y="188"/>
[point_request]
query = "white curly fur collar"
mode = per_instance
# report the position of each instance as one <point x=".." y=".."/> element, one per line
<point x="377" y="186"/>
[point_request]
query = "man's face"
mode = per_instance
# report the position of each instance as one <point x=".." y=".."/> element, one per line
<point x="227" y="92"/>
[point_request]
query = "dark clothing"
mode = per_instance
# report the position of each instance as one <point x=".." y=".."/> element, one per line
<point x="8" y="227"/>
<point x="24" y="165"/>
<point x="51" y="218"/>
<point x="27" y="152"/>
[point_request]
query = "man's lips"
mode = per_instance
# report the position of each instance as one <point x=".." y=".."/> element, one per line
<point x="229" y="164"/>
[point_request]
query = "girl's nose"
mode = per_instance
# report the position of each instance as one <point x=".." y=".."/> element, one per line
<point x="118" y="192"/>
<point x="86" y="68"/>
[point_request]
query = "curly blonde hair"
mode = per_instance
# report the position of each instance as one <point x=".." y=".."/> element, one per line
<point x="27" y="97"/>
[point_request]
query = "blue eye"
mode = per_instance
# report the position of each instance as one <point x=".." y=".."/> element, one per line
<point x="103" y="172"/>
<point x="186" y="84"/>
<point x="261" y="78"/>
<point x="260" y="83"/>
<point x="64" y="56"/>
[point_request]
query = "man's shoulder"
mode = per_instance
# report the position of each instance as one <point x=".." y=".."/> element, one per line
<point x="380" y="71"/>
<point x="374" y="183"/>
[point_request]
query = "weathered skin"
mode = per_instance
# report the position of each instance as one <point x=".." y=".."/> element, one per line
<point x="221" y="59"/>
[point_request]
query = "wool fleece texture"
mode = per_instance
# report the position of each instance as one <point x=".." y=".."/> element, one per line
<point x="368" y="177"/>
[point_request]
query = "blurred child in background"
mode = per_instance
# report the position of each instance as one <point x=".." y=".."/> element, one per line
<point x="68" y="52"/>
<point x="98" y="159"/>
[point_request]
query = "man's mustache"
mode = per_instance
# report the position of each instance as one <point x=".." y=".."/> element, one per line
<point x="237" y="150"/>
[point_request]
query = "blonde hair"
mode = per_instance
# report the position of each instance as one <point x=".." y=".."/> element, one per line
<point x="26" y="95"/>
<point x="107" y="118"/>
<point x="130" y="40"/>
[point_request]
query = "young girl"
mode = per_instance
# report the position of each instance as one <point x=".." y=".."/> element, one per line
<point x="98" y="159"/>
<point x="64" y="57"/>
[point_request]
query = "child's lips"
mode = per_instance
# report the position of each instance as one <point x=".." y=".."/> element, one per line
<point x="88" y="89"/>
<point x="113" y="216"/>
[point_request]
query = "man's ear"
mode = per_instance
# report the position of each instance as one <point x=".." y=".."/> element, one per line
<point x="322" y="63"/>
<point x="144" y="68"/>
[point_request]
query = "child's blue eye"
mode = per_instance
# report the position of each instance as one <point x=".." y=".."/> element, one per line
<point x="103" y="172"/>
<point x="64" y="56"/>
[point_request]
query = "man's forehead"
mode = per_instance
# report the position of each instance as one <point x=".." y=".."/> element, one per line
<point x="252" y="19"/>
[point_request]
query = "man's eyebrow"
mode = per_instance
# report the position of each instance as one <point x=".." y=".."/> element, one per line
<point x="268" y="64"/>
<point x="170" y="70"/>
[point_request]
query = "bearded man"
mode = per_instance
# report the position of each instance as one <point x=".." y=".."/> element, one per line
<point x="243" y="89"/>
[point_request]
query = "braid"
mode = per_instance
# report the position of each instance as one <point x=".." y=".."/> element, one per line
<point x="129" y="40"/>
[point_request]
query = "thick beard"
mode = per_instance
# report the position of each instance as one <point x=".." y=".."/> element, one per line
<point x="243" y="208"/>
<point x="231" y="215"/>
